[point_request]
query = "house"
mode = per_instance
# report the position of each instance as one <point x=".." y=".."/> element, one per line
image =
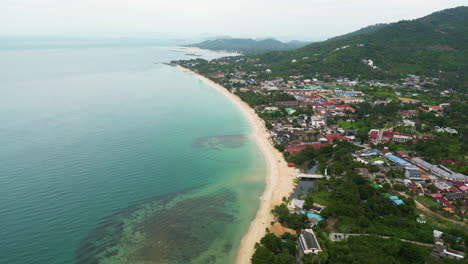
<point x="290" y="111"/>
<point x="413" y="188"/>
<point x="407" y="122"/>
<point x="374" y="135"/>
<point x="318" y="120"/>
<point x="461" y="186"/>
<point x="446" y="203"/>
<point x="396" y="200"/>
<point x="345" y="107"/>
<point x="294" y="149"/>
<point x="218" y="75"/>
<point x="296" y="204"/>
<point x="309" y="243"/>
<point x="333" y="137"/>
<point x="435" y="108"/>
<point x="408" y="114"/>
<point x="454" y="196"/>
<point x="442" y="186"/>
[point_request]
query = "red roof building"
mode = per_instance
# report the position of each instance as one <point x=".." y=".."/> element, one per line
<point x="414" y="189"/>
<point x="408" y="114"/>
<point x="331" y="138"/>
<point x="436" y="195"/>
<point x="293" y="150"/>
<point x="345" y="106"/>
<point x="446" y="203"/>
<point x="318" y="146"/>
<point x="374" y="134"/>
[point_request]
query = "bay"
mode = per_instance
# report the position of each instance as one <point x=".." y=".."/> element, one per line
<point x="109" y="156"/>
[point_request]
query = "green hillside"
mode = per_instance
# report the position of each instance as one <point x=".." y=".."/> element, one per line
<point x="248" y="46"/>
<point x="435" y="45"/>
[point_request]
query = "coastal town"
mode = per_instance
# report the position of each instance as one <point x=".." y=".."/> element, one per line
<point x="397" y="144"/>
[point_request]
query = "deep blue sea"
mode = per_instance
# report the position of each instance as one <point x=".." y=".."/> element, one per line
<point x="109" y="156"/>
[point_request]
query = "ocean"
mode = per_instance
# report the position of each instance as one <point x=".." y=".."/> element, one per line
<point x="109" y="156"/>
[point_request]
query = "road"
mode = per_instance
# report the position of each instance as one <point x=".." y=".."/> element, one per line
<point x="386" y="237"/>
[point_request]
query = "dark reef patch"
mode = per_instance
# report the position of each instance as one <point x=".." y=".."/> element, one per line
<point x="220" y="142"/>
<point x="171" y="229"/>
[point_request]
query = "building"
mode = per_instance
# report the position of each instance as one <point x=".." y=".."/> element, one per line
<point x="446" y="203"/>
<point x="413" y="173"/>
<point x="395" y="200"/>
<point x="374" y="135"/>
<point x="461" y="186"/>
<point x="439" y="172"/>
<point x="454" y="196"/>
<point x="396" y="159"/>
<point x="296" y="204"/>
<point x="454" y="254"/>
<point x="294" y="149"/>
<point x="408" y="100"/>
<point x="318" y="120"/>
<point x="290" y="111"/>
<point x="421" y="219"/>
<point x="368" y="152"/>
<point x="407" y="122"/>
<point x="334" y="137"/>
<point x="309" y="243"/>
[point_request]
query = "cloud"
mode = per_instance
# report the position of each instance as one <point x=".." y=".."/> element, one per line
<point x="307" y="19"/>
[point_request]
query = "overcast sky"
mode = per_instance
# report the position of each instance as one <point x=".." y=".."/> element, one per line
<point x="285" y="19"/>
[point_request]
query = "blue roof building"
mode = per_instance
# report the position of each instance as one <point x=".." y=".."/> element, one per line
<point x="396" y="159"/>
<point x="395" y="200"/>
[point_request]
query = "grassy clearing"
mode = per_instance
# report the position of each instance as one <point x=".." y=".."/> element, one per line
<point x="322" y="197"/>
<point x="346" y="125"/>
<point x="428" y="202"/>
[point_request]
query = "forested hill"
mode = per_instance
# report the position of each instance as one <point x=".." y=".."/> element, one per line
<point x="249" y="46"/>
<point x="435" y="45"/>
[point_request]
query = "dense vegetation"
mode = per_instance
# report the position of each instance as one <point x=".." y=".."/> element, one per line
<point x="248" y="46"/>
<point x="254" y="99"/>
<point x="435" y="45"/>
<point x="375" y="250"/>
<point x="275" y="250"/>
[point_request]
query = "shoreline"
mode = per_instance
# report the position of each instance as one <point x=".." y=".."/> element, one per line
<point x="279" y="181"/>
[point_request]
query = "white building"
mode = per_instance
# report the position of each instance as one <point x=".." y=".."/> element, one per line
<point x="296" y="204"/>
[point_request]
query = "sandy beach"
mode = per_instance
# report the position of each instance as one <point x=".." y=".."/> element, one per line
<point x="279" y="180"/>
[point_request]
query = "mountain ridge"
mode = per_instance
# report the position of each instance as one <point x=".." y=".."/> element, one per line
<point x="248" y="45"/>
<point x="436" y="45"/>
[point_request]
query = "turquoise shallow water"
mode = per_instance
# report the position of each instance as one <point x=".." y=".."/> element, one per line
<point x="108" y="156"/>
